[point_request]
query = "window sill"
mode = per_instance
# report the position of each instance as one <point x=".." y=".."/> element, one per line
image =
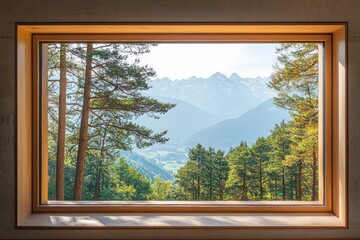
<point x="96" y="220"/>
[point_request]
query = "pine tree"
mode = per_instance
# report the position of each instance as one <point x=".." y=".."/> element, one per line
<point x="296" y="82"/>
<point x="260" y="152"/>
<point x="237" y="184"/>
<point x="203" y="176"/>
<point x="208" y="175"/>
<point x="112" y="99"/>
<point x="197" y="157"/>
<point x="84" y="125"/>
<point x="221" y="173"/>
<point x="280" y="140"/>
<point x="186" y="186"/>
<point x="60" y="157"/>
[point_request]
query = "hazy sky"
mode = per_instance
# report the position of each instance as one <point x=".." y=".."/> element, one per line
<point x="178" y="61"/>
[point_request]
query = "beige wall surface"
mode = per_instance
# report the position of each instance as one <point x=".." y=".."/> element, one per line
<point x="38" y="11"/>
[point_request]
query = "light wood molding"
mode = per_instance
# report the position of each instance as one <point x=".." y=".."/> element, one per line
<point x="39" y="197"/>
<point x="24" y="129"/>
<point x="44" y="151"/>
<point x="333" y="191"/>
<point x="292" y="28"/>
<point x="340" y="122"/>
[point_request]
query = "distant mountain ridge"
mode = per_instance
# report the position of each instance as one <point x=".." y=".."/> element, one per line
<point x="255" y="123"/>
<point x="181" y="121"/>
<point x="213" y="93"/>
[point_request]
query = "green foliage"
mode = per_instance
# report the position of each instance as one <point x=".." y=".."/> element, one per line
<point x="240" y="172"/>
<point x="261" y="157"/>
<point x="129" y="183"/>
<point x="247" y="173"/>
<point x="296" y="82"/>
<point x="280" y="142"/>
<point x="203" y="177"/>
<point x="160" y="190"/>
<point x="295" y="79"/>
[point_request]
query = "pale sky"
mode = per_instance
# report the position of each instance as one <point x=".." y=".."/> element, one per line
<point x="183" y="60"/>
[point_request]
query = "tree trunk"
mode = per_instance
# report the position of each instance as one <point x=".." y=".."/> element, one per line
<point x="60" y="156"/>
<point x="222" y="181"/>
<point x="314" y="192"/>
<point x="299" y="181"/>
<point x="221" y="191"/>
<point x="97" y="181"/>
<point x="211" y="186"/>
<point x="99" y="165"/>
<point x="283" y="184"/>
<point x="261" y="182"/>
<point x="198" y="189"/>
<point x="244" y="187"/>
<point x="294" y="186"/>
<point x="84" y="125"/>
<point x="276" y="190"/>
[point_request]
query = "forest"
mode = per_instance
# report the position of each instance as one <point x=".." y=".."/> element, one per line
<point x="95" y="94"/>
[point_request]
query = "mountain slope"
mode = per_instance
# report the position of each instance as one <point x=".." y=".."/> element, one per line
<point x="181" y="121"/>
<point x="249" y="126"/>
<point x="212" y="94"/>
<point x="146" y="167"/>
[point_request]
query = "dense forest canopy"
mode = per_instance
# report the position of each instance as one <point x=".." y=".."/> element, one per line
<point x="98" y="91"/>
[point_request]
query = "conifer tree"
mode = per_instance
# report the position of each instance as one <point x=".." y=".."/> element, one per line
<point x="221" y="173"/>
<point x="60" y="156"/>
<point x="296" y="82"/>
<point x="280" y="141"/>
<point x="260" y="151"/>
<point x="112" y="98"/>
<point x="237" y="184"/>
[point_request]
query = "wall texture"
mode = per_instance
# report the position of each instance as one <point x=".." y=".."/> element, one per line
<point x="12" y="11"/>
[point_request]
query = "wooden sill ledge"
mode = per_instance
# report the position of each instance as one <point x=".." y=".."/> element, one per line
<point x="98" y="220"/>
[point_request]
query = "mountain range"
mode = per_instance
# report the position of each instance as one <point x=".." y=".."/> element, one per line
<point x="217" y="111"/>
<point x="219" y="95"/>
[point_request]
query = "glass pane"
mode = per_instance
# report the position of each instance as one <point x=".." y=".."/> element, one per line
<point x="183" y="121"/>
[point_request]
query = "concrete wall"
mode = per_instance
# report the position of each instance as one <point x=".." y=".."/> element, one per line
<point x="12" y="11"/>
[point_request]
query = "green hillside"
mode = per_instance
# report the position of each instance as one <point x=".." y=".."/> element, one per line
<point x="248" y="127"/>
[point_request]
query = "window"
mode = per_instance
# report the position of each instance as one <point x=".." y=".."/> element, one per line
<point x="176" y="136"/>
<point x="325" y="194"/>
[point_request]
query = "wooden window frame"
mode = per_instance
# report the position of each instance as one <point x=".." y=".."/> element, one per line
<point x="33" y="205"/>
